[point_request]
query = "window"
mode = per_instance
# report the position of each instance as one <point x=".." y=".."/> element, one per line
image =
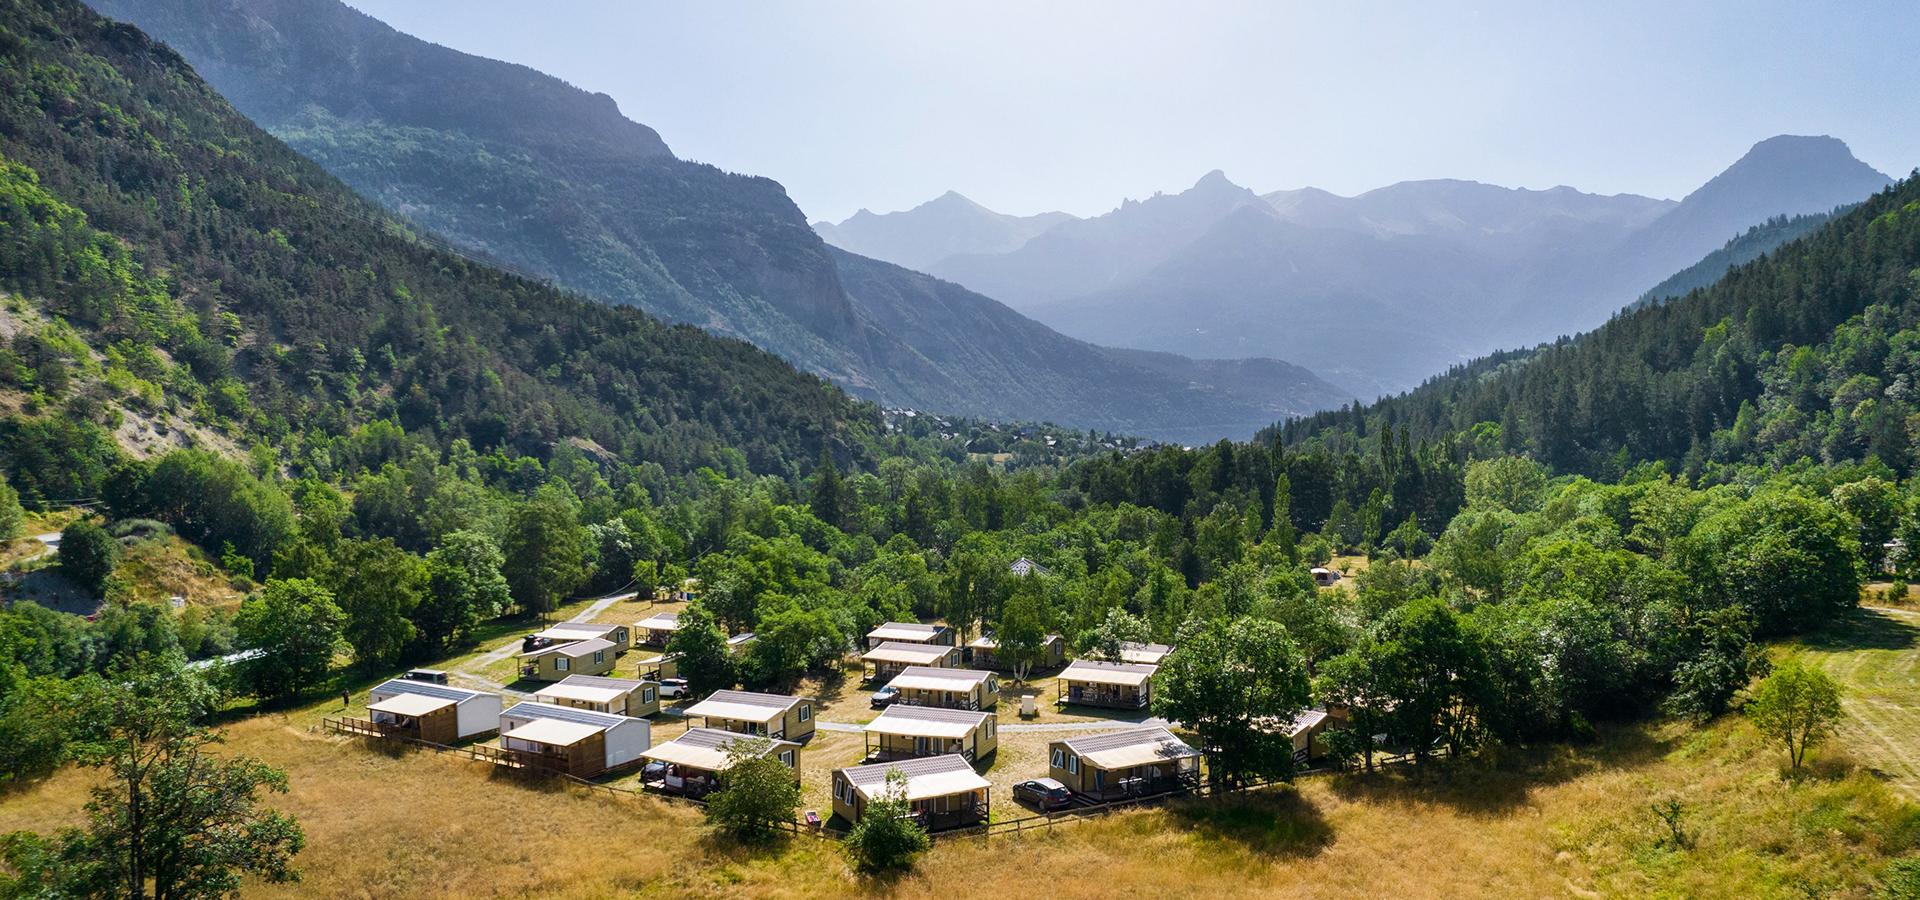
<point x="1073" y="764"/>
<point x="1059" y="759"/>
<point x="786" y="758"/>
<point x="806" y="711"/>
<point x="989" y="728"/>
<point x="842" y="790"/>
<point x="646" y="695"/>
<point x="560" y="663"/>
<point x="599" y="656"/>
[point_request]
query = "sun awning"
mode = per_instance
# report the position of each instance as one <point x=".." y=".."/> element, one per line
<point x="738" y="712"/>
<point x="660" y="622"/>
<point x="961" y="680"/>
<point x="909" y="726"/>
<point x="1130" y="676"/>
<point x="909" y="654"/>
<point x="896" y="631"/>
<point x="552" y="732"/>
<point x="581" y="692"/>
<point x="410" y="704"/>
<point x="1141" y="754"/>
<point x="932" y="784"/>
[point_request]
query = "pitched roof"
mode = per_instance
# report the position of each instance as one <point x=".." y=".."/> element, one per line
<point x="910" y="632"/>
<point x="1148" y="654"/>
<point x="660" y="621"/>
<point x="591" y="688"/>
<point x="1133" y="747"/>
<point x="933" y="678"/>
<point x="743" y="706"/>
<point x="705" y="748"/>
<point x="898" y="652"/>
<point x="577" y="631"/>
<point x="425" y="689"/>
<point x="986" y="642"/>
<point x="534" y="709"/>
<point x="575" y="650"/>
<point x="926" y="721"/>
<point x="1098" y="672"/>
<point x="929" y="776"/>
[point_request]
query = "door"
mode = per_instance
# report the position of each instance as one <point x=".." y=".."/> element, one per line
<point x="920" y="746"/>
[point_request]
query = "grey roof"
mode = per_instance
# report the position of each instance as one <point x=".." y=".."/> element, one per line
<point x="1095" y="743"/>
<point x="427" y="689"/>
<point x="936" y="714"/>
<point x="749" y="698"/>
<point x="876" y="773"/>
<point x="533" y="710"/>
<point x="718" y="738"/>
<point x="1140" y="668"/>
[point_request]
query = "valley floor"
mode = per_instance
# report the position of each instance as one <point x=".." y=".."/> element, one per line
<point x="1552" y="822"/>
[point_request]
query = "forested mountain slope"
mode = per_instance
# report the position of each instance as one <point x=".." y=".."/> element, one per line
<point x="1812" y="352"/>
<point x="221" y="273"/>
<point x="1756" y="241"/>
<point x="524" y="168"/>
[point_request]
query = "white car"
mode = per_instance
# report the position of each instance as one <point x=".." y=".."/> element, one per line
<point x="673" y="687"/>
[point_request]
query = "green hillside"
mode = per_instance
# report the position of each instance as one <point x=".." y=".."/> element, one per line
<point x="258" y="292"/>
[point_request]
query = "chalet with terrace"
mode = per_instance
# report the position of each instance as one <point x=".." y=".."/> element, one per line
<point x="694" y="760"/>
<point x="891" y="658"/>
<point x="620" y="696"/>
<point x="909" y="633"/>
<point x="578" y="742"/>
<point x="654" y="630"/>
<point x="944" y="791"/>
<point x="906" y="732"/>
<point x="1089" y="682"/>
<point x="763" y="715"/>
<point x="558" y="661"/>
<point x="1119" y="765"/>
<point x="946" y="688"/>
<point x="430" y="712"/>
<point x="567" y="632"/>
<point x="983" y="653"/>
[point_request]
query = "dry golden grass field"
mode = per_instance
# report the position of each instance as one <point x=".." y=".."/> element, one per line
<point x="1566" y="821"/>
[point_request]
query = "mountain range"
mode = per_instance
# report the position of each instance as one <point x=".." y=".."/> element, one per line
<point x="1377" y="291"/>
<point x="520" y="168"/>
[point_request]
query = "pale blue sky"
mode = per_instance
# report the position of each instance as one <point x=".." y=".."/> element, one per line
<point x="1065" y="104"/>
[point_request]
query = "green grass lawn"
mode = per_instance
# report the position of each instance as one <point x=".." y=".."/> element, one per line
<point x="1875" y="654"/>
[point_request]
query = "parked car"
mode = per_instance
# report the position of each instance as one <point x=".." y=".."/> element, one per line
<point x="885" y="697"/>
<point x="673" y="687"/>
<point x="654" y="770"/>
<point x="1044" y="794"/>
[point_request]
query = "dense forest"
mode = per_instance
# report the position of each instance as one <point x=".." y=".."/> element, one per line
<point x="1807" y="353"/>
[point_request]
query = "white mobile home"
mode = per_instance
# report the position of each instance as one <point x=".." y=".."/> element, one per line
<point x="432" y="712"/>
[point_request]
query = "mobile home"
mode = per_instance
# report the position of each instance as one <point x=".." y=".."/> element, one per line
<point x="1138" y="762"/>
<point x="694" y="760"/>
<point x="983" y="653"/>
<point x="949" y="688"/>
<point x="578" y="742"/>
<point x="432" y="712"/>
<point x="620" y="696"/>
<point x="905" y="732"/>
<point x="566" y="632"/>
<point x="1144" y="654"/>
<point x="944" y="791"/>
<point x="553" y="663"/>
<point x="654" y="630"/>
<point x="766" y="715"/>
<point x="888" y="659"/>
<point x="1117" y="685"/>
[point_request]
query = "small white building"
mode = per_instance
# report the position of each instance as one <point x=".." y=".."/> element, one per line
<point x="425" y="707"/>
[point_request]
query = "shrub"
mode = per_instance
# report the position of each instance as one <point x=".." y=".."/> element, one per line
<point x="88" y="554"/>
<point x="756" y="791"/>
<point x="886" y="837"/>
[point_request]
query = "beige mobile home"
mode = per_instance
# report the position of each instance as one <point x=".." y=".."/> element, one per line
<point x="944" y="791"/>
<point x="654" y="630"/>
<point x="578" y="742"/>
<point x="694" y="760"/>
<point x="905" y="732"/>
<point x="1138" y="762"/>
<point x="949" y="688"/>
<point x="432" y="712"/>
<point x="984" y="653"/>
<point x="620" y="696"/>
<point x="1116" y="685"/>
<point x="1144" y="654"/>
<point x="889" y="659"/>
<point x="909" y="633"/>
<point x="765" y="715"/>
<point x="556" y="662"/>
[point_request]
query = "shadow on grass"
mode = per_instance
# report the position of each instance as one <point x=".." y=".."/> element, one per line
<point x="1277" y="824"/>
<point x="722" y="845"/>
<point x="1495" y="784"/>
<point x="1864" y="629"/>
